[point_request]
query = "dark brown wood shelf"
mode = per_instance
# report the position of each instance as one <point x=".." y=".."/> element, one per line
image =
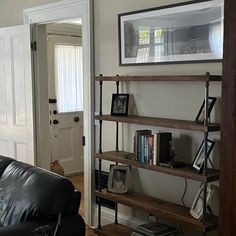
<point x="113" y="230"/>
<point x="161" y="78"/>
<point x="161" y="209"/>
<point x="185" y="172"/>
<point x="161" y="122"/>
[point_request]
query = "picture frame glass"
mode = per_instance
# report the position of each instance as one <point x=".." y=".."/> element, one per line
<point x="120" y="104"/>
<point x="201" y="114"/>
<point x="199" y="158"/>
<point x="179" y="33"/>
<point x="197" y="206"/>
<point x="118" y="180"/>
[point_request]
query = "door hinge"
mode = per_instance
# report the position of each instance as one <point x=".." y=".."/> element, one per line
<point x="83" y="141"/>
<point x="34" y="46"/>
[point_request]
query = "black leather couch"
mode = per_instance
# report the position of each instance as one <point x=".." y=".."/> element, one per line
<point x="31" y="197"/>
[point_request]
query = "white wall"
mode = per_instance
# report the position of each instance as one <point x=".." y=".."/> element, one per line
<point x="11" y="11"/>
<point x="179" y="100"/>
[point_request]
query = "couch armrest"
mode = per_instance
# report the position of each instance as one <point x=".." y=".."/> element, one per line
<point x="72" y="225"/>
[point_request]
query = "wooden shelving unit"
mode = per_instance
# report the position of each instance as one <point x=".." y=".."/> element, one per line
<point x="161" y="209"/>
<point x="185" y="172"/>
<point x="161" y="122"/>
<point x="157" y="207"/>
<point x="183" y="78"/>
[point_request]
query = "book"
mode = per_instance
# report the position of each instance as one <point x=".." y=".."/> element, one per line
<point x="155" y="149"/>
<point x="162" y="147"/>
<point x="137" y="141"/>
<point x="155" y="229"/>
<point x="150" y="140"/>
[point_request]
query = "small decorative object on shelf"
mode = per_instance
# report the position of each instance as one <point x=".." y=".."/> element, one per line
<point x="120" y="104"/>
<point x="201" y="114"/>
<point x="118" y="180"/>
<point x="198" y="161"/>
<point x="154" y="229"/>
<point x="172" y="163"/>
<point x="197" y="206"/>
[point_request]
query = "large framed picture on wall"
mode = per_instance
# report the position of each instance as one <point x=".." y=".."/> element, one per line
<point x="180" y="33"/>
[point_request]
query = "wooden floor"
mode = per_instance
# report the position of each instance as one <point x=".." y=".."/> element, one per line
<point x="78" y="181"/>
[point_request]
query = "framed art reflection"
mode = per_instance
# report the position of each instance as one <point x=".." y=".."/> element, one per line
<point x="179" y="33"/>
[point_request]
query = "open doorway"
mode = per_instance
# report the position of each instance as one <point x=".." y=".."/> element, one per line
<point x="40" y="16"/>
<point x="65" y="93"/>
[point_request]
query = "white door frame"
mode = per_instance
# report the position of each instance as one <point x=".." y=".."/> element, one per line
<point x="63" y="10"/>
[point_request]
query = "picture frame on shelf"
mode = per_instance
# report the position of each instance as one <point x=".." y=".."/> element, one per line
<point x="119" y="179"/>
<point x="201" y="114"/>
<point x="119" y="104"/>
<point x="197" y="207"/>
<point x="198" y="161"/>
<point x="185" y="32"/>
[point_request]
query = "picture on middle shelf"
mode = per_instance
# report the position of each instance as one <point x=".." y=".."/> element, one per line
<point x="198" y="161"/>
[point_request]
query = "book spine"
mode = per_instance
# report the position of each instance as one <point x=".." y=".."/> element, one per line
<point x="146" y="149"/>
<point x="150" y="149"/>
<point x="142" y="159"/>
<point x="155" y="149"/>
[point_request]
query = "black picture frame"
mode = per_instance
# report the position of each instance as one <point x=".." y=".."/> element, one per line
<point x="119" y="104"/>
<point x="183" y="33"/>
<point x="119" y="179"/>
<point x="197" y="206"/>
<point x="201" y="114"/>
<point x="198" y="161"/>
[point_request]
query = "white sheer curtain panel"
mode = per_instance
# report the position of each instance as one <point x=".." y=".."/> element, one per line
<point x="69" y="78"/>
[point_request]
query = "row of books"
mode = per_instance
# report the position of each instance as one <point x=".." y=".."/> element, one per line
<point x="154" y="229"/>
<point x="152" y="148"/>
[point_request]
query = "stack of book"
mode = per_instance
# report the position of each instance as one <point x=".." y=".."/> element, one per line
<point x="154" y="229"/>
<point x="151" y="148"/>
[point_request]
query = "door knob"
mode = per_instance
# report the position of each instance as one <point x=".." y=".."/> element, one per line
<point x="55" y="122"/>
<point x="76" y="119"/>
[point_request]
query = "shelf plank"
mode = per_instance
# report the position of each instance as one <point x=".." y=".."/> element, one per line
<point x="161" y="122"/>
<point x="113" y="230"/>
<point x="185" y="172"/>
<point x="161" y="78"/>
<point x="161" y="209"/>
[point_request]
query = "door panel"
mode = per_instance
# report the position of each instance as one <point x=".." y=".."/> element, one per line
<point x="66" y="141"/>
<point x="16" y="108"/>
<point x="66" y="136"/>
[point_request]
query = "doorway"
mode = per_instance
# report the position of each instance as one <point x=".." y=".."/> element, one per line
<point x="54" y="12"/>
<point x="65" y="94"/>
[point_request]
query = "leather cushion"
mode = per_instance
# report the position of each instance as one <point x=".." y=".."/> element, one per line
<point x="28" y="192"/>
<point x="4" y="162"/>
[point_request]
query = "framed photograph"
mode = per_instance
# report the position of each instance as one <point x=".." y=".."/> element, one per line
<point x="198" y="161"/>
<point x="201" y="114"/>
<point x="197" y="207"/>
<point x="181" y="33"/>
<point x="119" y="104"/>
<point x="118" y="179"/>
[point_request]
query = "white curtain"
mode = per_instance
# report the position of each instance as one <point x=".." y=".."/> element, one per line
<point x="69" y="78"/>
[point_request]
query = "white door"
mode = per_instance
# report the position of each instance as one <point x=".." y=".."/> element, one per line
<point x="65" y="76"/>
<point x="16" y="106"/>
